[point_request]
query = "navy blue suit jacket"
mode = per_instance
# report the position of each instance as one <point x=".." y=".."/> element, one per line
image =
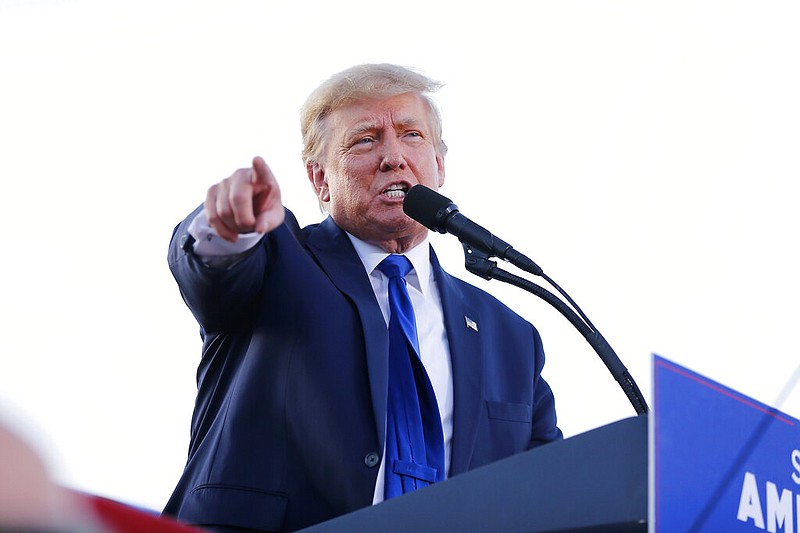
<point x="289" y="420"/>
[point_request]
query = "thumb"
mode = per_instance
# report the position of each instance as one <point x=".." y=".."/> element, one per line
<point x="270" y="219"/>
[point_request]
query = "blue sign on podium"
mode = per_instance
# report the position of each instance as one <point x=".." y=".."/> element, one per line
<point x="720" y="461"/>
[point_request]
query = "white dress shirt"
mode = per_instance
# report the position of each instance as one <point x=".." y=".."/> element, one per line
<point x="433" y="346"/>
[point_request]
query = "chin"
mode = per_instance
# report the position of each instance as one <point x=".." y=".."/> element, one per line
<point x="402" y="223"/>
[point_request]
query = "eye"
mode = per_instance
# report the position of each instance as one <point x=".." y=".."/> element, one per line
<point x="361" y="144"/>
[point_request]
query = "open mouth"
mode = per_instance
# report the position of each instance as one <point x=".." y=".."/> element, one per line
<point x="396" y="191"/>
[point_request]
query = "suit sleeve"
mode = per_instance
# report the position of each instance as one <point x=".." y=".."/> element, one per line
<point x="216" y="296"/>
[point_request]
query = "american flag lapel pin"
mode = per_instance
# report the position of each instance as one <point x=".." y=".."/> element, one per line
<point x="471" y="324"/>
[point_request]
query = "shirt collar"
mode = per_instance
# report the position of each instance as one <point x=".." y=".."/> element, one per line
<point x="371" y="255"/>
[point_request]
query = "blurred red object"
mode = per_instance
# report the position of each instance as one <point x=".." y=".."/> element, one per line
<point x="124" y="518"/>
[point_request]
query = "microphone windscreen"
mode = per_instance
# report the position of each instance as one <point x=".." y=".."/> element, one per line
<point x="427" y="206"/>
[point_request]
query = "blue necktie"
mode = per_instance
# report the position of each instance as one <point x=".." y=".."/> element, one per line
<point x="414" y="440"/>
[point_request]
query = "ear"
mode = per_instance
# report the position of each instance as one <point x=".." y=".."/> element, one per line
<point x="440" y="168"/>
<point x="316" y="175"/>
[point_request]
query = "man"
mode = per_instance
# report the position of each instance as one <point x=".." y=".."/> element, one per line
<point x="296" y="386"/>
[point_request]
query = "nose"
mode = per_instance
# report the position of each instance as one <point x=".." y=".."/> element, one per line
<point x="392" y="157"/>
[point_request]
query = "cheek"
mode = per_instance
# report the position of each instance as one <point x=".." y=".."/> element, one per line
<point x="345" y="193"/>
<point x="429" y="172"/>
<point x="355" y="178"/>
<point x="350" y="181"/>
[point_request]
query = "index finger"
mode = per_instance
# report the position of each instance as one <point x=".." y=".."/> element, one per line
<point x="262" y="175"/>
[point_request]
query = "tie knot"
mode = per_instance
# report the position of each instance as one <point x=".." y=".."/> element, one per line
<point x="395" y="266"/>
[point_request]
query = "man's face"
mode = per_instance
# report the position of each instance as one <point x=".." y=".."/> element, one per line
<point x="374" y="151"/>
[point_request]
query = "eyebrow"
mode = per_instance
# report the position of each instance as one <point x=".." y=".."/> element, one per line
<point x="372" y="126"/>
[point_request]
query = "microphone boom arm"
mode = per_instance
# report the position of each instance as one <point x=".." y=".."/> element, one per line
<point x="478" y="263"/>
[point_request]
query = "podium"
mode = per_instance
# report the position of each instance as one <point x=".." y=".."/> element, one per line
<point x="719" y="460"/>
<point x="593" y="482"/>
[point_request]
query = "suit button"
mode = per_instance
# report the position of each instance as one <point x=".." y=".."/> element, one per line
<point x="187" y="242"/>
<point x="372" y="459"/>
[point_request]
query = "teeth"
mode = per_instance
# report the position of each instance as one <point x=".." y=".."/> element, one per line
<point x="395" y="191"/>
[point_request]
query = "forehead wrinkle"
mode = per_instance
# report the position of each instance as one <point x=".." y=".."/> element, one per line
<point x="364" y="126"/>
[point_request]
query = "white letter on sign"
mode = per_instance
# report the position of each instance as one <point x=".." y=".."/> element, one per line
<point x="750" y="503"/>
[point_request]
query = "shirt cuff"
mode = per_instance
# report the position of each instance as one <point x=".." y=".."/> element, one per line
<point x="208" y="244"/>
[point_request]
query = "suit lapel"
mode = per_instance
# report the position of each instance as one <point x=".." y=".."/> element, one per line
<point x="462" y="325"/>
<point x="335" y="254"/>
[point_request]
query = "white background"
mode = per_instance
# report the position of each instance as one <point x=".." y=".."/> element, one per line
<point x="645" y="154"/>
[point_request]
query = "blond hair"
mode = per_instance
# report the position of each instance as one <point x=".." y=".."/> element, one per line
<point x="362" y="82"/>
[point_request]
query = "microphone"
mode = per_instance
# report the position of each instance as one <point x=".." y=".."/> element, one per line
<point x="439" y="213"/>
